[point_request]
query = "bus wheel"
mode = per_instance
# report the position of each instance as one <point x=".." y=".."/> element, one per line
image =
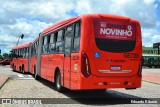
<point x="13" y="67"/>
<point x="22" y="69"/>
<point x="58" y="82"/>
<point x="35" y="74"/>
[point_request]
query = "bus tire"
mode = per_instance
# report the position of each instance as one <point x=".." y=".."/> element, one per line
<point x="36" y="77"/>
<point x="13" y="67"/>
<point x="59" y="87"/>
<point x="35" y="74"/>
<point x="22" y="69"/>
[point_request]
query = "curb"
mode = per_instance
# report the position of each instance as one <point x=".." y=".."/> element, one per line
<point x="6" y="79"/>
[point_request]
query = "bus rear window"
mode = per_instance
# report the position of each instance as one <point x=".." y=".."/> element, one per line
<point x="114" y="35"/>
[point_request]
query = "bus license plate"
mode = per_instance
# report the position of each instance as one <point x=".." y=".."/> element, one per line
<point x="115" y="68"/>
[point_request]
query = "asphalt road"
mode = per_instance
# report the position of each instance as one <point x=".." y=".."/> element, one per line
<point x="25" y="86"/>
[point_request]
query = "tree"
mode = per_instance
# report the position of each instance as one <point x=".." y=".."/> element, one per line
<point x="1" y="58"/>
<point x="5" y="56"/>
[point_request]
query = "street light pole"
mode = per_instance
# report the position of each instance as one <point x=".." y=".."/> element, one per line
<point x="20" y="37"/>
<point x="18" y="40"/>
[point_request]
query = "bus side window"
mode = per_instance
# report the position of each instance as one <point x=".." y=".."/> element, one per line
<point x="18" y="53"/>
<point x="24" y="52"/>
<point x="59" y="43"/>
<point x="45" y="45"/>
<point x="15" y="54"/>
<point x="68" y="40"/>
<point x="76" y="39"/>
<point x="60" y="32"/>
<point x="36" y="48"/>
<point x="52" y="45"/>
<point x="27" y="51"/>
<point x="52" y="38"/>
<point x="32" y="50"/>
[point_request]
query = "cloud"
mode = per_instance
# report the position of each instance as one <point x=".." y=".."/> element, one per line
<point x="29" y="17"/>
<point x="56" y="10"/>
<point x="9" y="34"/>
<point x="49" y="11"/>
<point x="150" y="36"/>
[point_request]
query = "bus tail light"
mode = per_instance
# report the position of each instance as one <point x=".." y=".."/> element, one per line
<point x="140" y="70"/>
<point x="86" y="71"/>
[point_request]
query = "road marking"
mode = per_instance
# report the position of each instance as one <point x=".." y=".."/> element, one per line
<point x="20" y="75"/>
<point x="12" y="78"/>
<point x="23" y="78"/>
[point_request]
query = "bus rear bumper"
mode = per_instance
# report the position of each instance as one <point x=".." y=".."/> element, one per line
<point x="131" y="82"/>
<point x="117" y="82"/>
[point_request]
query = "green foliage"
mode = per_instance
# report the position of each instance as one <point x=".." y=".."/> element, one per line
<point x="5" y="56"/>
<point x="1" y="58"/>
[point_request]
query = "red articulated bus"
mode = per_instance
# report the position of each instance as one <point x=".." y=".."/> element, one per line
<point x="93" y="51"/>
<point x="19" y="60"/>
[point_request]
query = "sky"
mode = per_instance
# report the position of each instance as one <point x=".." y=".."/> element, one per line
<point x="30" y="17"/>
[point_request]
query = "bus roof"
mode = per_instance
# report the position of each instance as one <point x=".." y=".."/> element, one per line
<point x="70" y="20"/>
<point x="21" y="46"/>
<point x="59" y="24"/>
<point x="35" y="40"/>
